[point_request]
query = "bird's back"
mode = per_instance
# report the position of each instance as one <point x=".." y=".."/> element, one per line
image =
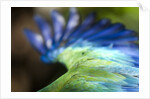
<point x="96" y="69"/>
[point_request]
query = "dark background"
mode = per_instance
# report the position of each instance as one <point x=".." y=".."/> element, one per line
<point x="28" y="73"/>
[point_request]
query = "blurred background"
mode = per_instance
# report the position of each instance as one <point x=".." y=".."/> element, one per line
<point x="28" y="73"/>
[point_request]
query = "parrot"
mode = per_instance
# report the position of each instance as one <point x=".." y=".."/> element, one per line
<point x="100" y="56"/>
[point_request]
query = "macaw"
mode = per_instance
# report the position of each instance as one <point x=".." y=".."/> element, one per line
<point x="100" y="56"/>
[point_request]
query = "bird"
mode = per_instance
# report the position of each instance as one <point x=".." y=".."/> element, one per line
<point x="100" y="56"/>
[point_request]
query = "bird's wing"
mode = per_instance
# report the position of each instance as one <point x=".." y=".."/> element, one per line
<point x="94" y="80"/>
<point x="99" y="69"/>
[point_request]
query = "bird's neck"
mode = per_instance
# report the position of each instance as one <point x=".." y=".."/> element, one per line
<point x="71" y="56"/>
<point x="58" y="84"/>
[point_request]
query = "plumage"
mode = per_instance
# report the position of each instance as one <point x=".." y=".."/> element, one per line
<point x="100" y="56"/>
<point x="36" y="41"/>
<point x="88" y="21"/>
<point x="45" y="30"/>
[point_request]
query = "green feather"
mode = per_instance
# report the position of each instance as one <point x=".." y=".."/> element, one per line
<point x="93" y="69"/>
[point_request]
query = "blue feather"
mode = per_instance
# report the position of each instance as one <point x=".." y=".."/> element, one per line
<point x="36" y="41"/>
<point x="89" y="20"/>
<point x="115" y="41"/>
<point x="132" y="84"/>
<point x="102" y="24"/>
<point x="111" y="30"/>
<point x="72" y="22"/>
<point x="58" y="24"/>
<point x="97" y="27"/>
<point x="45" y="30"/>
<point x="71" y="25"/>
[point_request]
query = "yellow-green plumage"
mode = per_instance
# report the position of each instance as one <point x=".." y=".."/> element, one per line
<point x="89" y="69"/>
